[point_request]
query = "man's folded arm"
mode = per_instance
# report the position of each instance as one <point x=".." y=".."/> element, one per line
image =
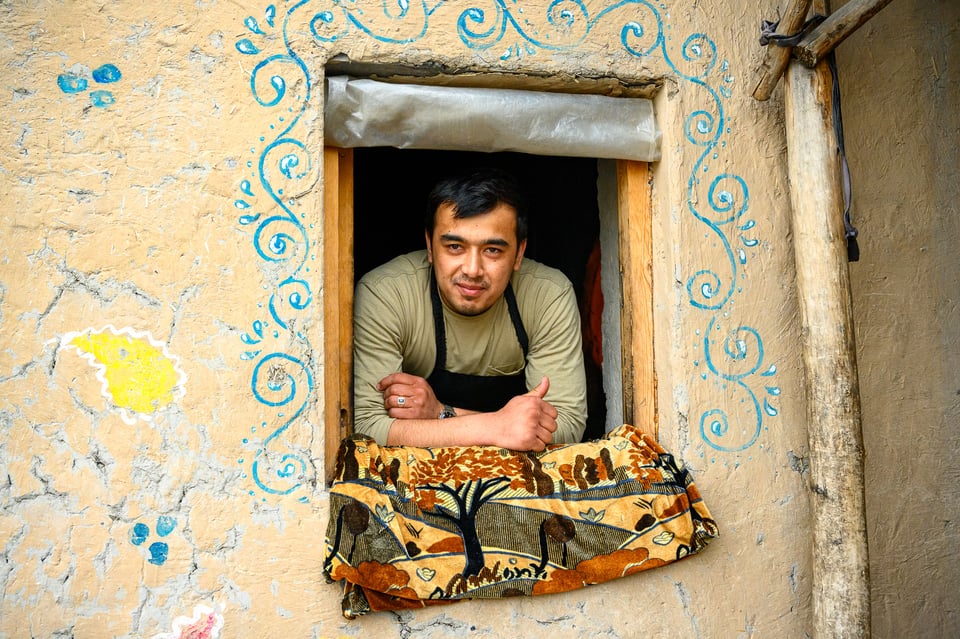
<point x="556" y="352"/>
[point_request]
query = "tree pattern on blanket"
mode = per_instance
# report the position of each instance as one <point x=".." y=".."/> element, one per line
<point x="410" y="526"/>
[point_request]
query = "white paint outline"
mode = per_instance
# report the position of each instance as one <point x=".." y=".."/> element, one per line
<point x="127" y="415"/>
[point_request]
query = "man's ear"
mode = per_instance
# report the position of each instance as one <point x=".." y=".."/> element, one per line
<point x="426" y="236"/>
<point x="520" y="250"/>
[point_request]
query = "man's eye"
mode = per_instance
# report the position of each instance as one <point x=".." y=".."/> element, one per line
<point x="492" y="250"/>
<point x="453" y="247"/>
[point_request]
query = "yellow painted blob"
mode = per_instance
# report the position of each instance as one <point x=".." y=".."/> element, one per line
<point x="138" y="375"/>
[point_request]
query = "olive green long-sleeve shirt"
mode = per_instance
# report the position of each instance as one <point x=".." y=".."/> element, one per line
<point x="394" y="332"/>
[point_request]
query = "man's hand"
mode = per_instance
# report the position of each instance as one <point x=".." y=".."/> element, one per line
<point x="408" y="397"/>
<point x="527" y="422"/>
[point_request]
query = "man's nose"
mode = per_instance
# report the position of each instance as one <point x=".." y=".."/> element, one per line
<point x="473" y="264"/>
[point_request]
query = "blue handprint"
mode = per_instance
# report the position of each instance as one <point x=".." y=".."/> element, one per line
<point x="106" y="74"/>
<point x="158" y="549"/>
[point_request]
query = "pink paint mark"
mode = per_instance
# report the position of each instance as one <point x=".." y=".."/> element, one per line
<point x="202" y="629"/>
<point x="205" y="624"/>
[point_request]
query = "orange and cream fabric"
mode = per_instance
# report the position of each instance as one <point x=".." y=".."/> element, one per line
<point x="411" y="527"/>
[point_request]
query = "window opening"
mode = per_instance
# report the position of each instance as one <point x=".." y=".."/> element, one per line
<point x="388" y="187"/>
<point x="391" y="188"/>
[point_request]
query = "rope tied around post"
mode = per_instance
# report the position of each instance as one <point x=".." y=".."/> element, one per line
<point x="768" y="36"/>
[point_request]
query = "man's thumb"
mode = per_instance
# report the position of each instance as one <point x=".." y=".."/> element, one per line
<point x="542" y="388"/>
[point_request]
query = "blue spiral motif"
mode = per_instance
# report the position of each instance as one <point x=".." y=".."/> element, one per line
<point x="700" y="129"/>
<point x="742" y="350"/>
<point x="294" y="297"/>
<point x="276" y="237"/>
<point x="635" y="38"/>
<point x="715" y="427"/>
<point x="281" y="472"/>
<point x="739" y="356"/>
<point x="565" y="14"/>
<point x="564" y="25"/>
<point x="723" y="199"/>
<point x="276" y="83"/>
<point x="699" y="50"/>
<point x="329" y="25"/>
<point x="477" y="32"/>
<point x="283" y="164"/>
<point x="397" y="21"/>
<point x="706" y="291"/>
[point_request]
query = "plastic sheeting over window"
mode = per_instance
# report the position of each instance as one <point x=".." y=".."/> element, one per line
<point x="365" y="113"/>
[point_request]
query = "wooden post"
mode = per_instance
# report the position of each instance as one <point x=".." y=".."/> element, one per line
<point x="841" y="591"/>
<point x="777" y="58"/>
<point x="835" y="29"/>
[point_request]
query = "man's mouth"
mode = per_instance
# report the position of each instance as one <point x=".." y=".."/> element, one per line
<point x="470" y="289"/>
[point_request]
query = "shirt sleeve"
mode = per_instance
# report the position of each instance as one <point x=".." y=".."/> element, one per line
<point x="377" y="352"/>
<point x="556" y="351"/>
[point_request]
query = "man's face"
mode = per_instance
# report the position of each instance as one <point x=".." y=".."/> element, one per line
<point x="473" y="258"/>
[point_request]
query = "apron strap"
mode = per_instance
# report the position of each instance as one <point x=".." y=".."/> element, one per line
<point x="441" y="333"/>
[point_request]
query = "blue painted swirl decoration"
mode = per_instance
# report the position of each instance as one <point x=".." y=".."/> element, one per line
<point x="730" y="357"/>
<point x="278" y="170"/>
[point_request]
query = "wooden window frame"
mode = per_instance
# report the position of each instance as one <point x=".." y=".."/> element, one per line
<point x="635" y="232"/>
<point x="337" y="301"/>
<point x="634" y="218"/>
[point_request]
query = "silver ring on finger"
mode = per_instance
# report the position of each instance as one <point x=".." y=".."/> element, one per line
<point x="401" y="400"/>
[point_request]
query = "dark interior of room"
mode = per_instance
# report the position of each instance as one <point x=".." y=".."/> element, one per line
<point x="391" y="188"/>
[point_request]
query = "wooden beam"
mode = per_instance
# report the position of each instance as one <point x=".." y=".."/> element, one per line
<point x="635" y="220"/>
<point x="337" y="301"/>
<point x="817" y="44"/>
<point x="841" y="591"/>
<point x="777" y="58"/>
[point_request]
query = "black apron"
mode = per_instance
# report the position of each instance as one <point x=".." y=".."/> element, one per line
<point x="475" y="392"/>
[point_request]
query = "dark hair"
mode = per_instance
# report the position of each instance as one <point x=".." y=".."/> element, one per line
<point x="476" y="193"/>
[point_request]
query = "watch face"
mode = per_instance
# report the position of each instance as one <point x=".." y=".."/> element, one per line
<point x="447" y="412"/>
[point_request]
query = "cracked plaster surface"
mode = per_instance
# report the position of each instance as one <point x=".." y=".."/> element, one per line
<point x="124" y="216"/>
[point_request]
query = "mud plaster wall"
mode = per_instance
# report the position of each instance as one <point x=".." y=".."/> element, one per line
<point x="160" y="426"/>
<point x="902" y="94"/>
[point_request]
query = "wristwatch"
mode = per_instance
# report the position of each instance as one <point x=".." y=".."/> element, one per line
<point x="447" y="412"/>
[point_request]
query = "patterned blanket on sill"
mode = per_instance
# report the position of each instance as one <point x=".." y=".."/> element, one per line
<point x="412" y="527"/>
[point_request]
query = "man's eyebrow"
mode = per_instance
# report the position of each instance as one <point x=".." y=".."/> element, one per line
<point x="495" y="241"/>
